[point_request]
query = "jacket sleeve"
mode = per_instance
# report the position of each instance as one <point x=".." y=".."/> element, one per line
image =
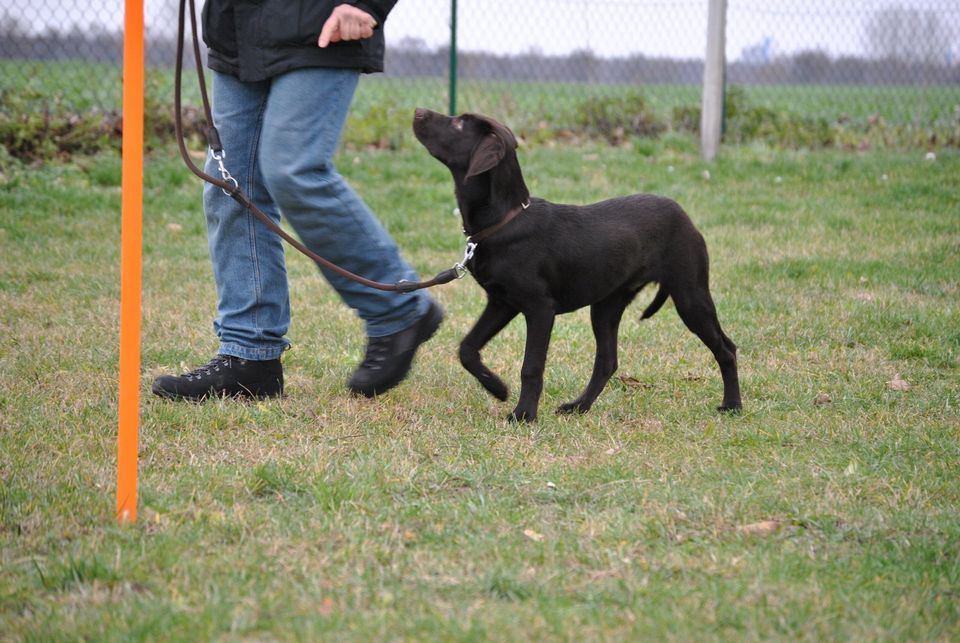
<point x="379" y="9"/>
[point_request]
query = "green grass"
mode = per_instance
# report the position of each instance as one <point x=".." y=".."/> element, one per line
<point x="424" y="515"/>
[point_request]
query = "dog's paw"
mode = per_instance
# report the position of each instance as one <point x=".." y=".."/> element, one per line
<point x="730" y="409"/>
<point x="496" y="388"/>
<point x="573" y="407"/>
<point x="517" y="416"/>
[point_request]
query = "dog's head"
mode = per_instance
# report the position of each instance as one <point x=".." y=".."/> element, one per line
<point x="480" y="153"/>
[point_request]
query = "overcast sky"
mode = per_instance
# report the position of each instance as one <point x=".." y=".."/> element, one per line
<point x="673" y="28"/>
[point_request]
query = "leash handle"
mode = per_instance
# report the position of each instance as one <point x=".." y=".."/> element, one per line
<point x="231" y="187"/>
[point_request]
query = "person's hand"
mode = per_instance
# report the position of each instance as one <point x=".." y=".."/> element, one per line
<point x="346" y="23"/>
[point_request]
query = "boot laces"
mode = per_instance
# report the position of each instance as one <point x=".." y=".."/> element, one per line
<point x="378" y="350"/>
<point x="208" y="369"/>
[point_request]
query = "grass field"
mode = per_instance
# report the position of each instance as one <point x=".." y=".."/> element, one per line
<point x="828" y="510"/>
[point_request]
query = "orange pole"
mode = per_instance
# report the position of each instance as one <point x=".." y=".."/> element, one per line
<point x="131" y="247"/>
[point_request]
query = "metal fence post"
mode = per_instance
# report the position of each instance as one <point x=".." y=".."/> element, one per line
<point x="453" y="58"/>
<point x="711" y="117"/>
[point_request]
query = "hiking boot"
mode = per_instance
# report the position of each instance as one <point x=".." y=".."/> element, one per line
<point x="388" y="358"/>
<point x="224" y="376"/>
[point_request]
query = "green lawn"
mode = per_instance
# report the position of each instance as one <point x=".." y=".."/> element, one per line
<point x="424" y="515"/>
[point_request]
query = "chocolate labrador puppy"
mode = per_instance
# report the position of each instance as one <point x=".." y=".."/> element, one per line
<point x="541" y="259"/>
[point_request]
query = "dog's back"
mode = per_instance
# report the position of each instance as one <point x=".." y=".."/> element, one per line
<point x="584" y="253"/>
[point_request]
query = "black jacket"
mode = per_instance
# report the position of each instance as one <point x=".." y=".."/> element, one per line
<point x="258" y="39"/>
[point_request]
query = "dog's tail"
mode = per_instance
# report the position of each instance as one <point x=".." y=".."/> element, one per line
<point x="657" y="302"/>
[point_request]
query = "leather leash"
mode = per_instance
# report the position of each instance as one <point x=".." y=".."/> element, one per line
<point x="232" y="189"/>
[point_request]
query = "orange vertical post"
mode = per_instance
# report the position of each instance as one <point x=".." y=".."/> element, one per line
<point x="131" y="249"/>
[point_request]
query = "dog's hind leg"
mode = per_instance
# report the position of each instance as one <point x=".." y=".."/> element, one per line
<point x="605" y="317"/>
<point x="698" y="312"/>
<point x="492" y="320"/>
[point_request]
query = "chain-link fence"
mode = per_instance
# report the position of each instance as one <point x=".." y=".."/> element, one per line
<point x="563" y="67"/>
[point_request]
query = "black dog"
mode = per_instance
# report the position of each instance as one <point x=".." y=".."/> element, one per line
<point x="541" y="259"/>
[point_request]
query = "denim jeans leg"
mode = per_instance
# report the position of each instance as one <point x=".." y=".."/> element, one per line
<point x="304" y="117"/>
<point x="253" y="306"/>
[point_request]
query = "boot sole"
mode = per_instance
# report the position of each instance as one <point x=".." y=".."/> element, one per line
<point x="240" y="395"/>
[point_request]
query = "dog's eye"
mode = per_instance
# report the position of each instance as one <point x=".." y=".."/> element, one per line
<point x="457" y="124"/>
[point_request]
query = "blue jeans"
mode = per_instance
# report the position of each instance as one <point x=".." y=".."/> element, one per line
<point x="280" y="136"/>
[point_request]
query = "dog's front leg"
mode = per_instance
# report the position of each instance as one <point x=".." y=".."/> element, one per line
<point x="492" y="320"/>
<point x="539" y="327"/>
<point x="605" y="317"/>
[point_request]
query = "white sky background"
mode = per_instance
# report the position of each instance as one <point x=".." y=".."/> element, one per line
<point x="669" y="28"/>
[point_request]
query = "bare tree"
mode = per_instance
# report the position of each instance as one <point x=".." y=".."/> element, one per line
<point x="908" y="35"/>
<point x="11" y="27"/>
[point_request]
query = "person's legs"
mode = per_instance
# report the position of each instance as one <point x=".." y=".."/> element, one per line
<point x="253" y="310"/>
<point x="302" y="123"/>
<point x="280" y="137"/>
<point x="253" y="306"/>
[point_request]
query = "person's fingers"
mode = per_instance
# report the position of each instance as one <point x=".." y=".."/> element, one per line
<point x="350" y="30"/>
<point x="346" y="23"/>
<point x="330" y="32"/>
<point x="361" y="27"/>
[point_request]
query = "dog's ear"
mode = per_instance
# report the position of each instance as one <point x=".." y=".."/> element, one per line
<point x="487" y="153"/>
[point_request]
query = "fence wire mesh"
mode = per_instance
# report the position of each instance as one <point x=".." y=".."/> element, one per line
<point x="565" y="67"/>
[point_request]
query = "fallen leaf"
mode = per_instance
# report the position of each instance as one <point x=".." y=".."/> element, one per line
<point x="633" y="382"/>
<point x="762" y="528"/>
<point x="532" y="535"/>
<point x="326" y="607"/>
<point x="174" y="227"/>
<point x="822" y="399"/>
<point x="898" y="384"/>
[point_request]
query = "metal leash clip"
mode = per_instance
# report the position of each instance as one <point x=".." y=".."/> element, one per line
<point x="461" y="267"/>
<point x="224" y="172"/>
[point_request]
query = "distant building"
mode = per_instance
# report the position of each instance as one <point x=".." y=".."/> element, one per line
<point x="758" y="54"/>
